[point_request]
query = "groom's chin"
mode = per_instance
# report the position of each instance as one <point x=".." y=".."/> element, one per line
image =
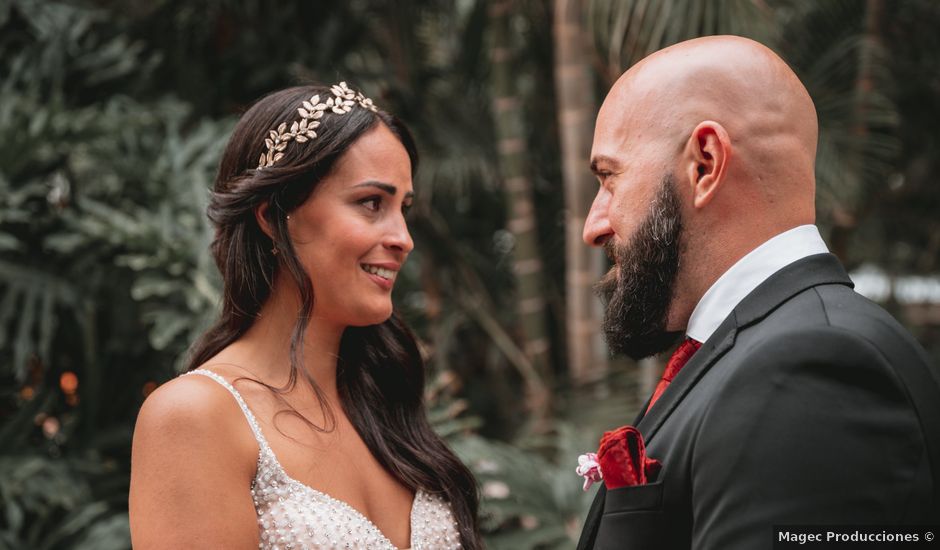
<point x="641" y="346"/>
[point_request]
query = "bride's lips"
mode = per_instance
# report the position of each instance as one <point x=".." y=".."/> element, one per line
<point x="382" y="274"/>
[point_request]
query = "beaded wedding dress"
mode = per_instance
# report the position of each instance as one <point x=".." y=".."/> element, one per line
<point x="293" y="516"/>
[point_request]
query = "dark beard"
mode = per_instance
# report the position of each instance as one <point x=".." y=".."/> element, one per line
<point x="638" y="291"/>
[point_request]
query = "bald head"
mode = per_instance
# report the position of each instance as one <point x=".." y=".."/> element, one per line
<point x="741" y="85"/>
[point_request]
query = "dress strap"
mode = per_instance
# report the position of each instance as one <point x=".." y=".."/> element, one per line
<point x="255" y="428"/>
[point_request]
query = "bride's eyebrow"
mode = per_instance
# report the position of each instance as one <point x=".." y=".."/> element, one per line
<point x="382" y="186"/>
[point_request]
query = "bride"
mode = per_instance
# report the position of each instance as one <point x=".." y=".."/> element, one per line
<point x="301" y="422"/>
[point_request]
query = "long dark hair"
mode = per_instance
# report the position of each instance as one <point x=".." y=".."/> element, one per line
<point x="380" y="372"/>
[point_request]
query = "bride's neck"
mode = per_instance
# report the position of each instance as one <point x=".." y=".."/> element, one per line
<point x="267" y="343"/>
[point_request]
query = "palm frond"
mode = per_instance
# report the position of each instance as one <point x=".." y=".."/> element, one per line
<point x="626" y="31"/>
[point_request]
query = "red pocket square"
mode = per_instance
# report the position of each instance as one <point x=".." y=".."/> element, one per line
<point x="623" y="461"/>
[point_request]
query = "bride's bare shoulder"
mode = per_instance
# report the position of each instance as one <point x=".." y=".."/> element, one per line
<point x="193" y="412"/>
<point x="187" y="402"/>
<point x="193" y="451"/>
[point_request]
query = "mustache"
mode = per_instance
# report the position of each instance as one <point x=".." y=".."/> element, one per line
<point x="605" y="287"/>
<point x="610" y="249"/>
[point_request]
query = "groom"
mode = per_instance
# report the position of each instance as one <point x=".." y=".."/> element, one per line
<point x="801" y="402"/>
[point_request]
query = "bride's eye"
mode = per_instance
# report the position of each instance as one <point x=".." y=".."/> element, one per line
<point x="372" y="203"/>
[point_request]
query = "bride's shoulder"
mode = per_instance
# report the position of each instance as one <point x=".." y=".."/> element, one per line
<point x="189" y="399"/>
<point x="193" y="411"/>
<point x="192" y="451"/>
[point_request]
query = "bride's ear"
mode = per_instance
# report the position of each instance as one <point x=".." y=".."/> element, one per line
<point x="261" y="216"/>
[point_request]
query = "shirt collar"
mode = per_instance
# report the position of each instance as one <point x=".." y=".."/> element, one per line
<point x="749" y="272"/>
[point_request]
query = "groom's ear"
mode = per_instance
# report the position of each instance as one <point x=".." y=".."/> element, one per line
<point x="705" y="161"/>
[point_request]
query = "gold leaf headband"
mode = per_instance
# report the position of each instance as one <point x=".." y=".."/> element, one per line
<point x="312" y="110"/>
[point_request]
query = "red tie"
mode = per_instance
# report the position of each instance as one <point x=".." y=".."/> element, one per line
<point x="679" y="358"/>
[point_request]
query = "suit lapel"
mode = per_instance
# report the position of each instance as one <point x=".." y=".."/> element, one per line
<point x="811" y="271"/>
<point x="819" y="269"/>
<point x="593" y="520"/>
<point x="710" y="352"/>
<point x="649" y="423"/>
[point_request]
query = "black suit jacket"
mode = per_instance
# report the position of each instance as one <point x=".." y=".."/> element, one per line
<point x="808" y="405"/>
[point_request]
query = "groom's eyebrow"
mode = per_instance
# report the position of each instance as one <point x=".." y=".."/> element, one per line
<point x="602" y="159"/>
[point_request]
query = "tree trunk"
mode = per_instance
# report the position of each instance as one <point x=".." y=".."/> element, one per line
<point x="845" y="217"/>
<point x="514" y="164"/>
<point x="587" y="354"/>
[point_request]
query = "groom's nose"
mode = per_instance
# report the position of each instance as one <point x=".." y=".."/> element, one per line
<point x="597" y="229"/>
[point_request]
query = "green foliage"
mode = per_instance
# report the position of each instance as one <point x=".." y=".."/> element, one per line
<point x="528" y="501"/>
<point x="531" y="497"/>
<point x="51" y="504"/>
<point x="88" y="259"/>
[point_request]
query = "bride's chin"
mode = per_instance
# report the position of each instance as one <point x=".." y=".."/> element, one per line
<point x="374" y="317"/>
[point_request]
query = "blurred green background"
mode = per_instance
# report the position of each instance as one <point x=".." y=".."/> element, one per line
<point x="112" y="118"/>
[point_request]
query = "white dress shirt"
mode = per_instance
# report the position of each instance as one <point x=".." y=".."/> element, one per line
<point x="749" y="272"/>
